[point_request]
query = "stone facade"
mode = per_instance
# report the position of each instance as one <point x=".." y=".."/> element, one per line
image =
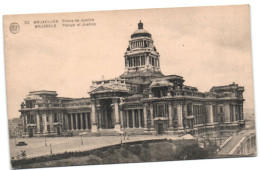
<point x="141" y="101"/>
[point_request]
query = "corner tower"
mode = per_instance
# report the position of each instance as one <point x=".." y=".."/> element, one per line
<point x="142" y="61"/>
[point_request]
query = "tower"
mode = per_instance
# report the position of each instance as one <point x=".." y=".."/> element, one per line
<point x="142" y="60"/>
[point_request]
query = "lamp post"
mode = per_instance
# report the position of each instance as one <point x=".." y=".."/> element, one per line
<point x="50" y="149"/>
<point x="81" y="140"/>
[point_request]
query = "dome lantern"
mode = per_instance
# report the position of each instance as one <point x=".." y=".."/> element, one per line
<point x="140" y="25"/>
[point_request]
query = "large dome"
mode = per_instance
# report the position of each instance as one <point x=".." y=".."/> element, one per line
<point x="141" y="32"/>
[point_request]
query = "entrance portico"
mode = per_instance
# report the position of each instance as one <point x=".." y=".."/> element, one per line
<point x="107" y="104"/>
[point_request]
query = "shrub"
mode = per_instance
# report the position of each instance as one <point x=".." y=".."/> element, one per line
<point x="125" y="146"/>
<point x="111" y="151"/>
<point x="145" y="155"/>
<point x="136" y="149"/>
<point x="99" y="153"/>
<point x="18" y="156"/>
<point x="93" y="161"/>
<point x="23" y="154"/>
<point x="124" y="152"/>
<point x="192" y="152"/>
<point x="110" y="160"/>
<point x="145" y="144"/>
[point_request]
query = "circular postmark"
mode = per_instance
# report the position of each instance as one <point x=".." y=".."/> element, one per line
<point x="14" y="28"/>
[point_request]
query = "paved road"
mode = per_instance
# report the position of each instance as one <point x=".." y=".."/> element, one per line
<point x="36" y="146"/>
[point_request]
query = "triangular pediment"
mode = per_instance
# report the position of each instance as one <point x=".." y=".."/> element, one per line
<point x="101" y="89"/>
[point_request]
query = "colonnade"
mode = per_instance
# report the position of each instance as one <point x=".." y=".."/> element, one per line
<point x="128" y="118"/>
<point x="140" y="44"/>
<point x="77" y="121"/>
<point x="142" y="60"/>
<point x="233" y="112"/>
<point x="134" y="119"/>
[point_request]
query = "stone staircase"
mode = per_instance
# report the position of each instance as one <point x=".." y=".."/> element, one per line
<point x="225" y="150"/>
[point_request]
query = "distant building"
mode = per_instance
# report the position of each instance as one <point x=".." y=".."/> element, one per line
<point x="141" y="101"/>
<point x="16" y="128"/>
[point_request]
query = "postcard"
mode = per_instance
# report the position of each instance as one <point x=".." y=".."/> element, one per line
<point x="125" y="86"/>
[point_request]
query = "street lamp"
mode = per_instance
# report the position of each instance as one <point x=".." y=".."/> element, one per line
<point x="50" y="148"/>
<point x="81" y="140"/>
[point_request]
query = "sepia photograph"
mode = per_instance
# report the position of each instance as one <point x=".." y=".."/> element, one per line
<point x="129" y="86"/>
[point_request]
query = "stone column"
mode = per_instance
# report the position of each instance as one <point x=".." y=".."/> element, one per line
<point x="71" y="121"/>
<point x="86" y="120"/>
<point x="116" y="111"/>
<point x="66" y="123"/>
<point x="147" y="60"/>
<point x="26" y="120"/>
<point x="51" y="122"/>
<point x="127" y="119"/>
<point x="38" y="122"/>
<point x="116" y="108"/>
<point x="210" y="113"/>
<point x="145" y="116"/>
<point x="23" y="121"/>
<point x="121" y="116"/>
<point x="44" y="123"/>
<point x="76" y="118"/>
<point x="227" y="113"/>
<point x="151" y="116"/>
<point x="139" y="118"/>
<point x="62" y="120"/>
<point x="234" y="113"/>
<point x="241" y="113"/>
<point x="179" y="114"/>
<point x="106" y="124"/>
<point x="133" y="117"/>
<point x="184" y="109"/>
<point x="93" y="116"/>
<point x="99" y="119"/>
<point x="81" y="121"/>
<point x="170" y="115"/>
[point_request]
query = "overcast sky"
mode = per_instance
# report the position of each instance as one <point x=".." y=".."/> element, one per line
<point x="208" y="46"/>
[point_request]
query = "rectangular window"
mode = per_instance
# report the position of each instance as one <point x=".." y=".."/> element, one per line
<point x="137" y="61"/>
<point x="142" y="60"/>
<point x="161" y="111"/>
<point x="129" y="62"/>
<point x="48" y="128"/>
<point x="55" y="117"/>
<point x="221" y="110"/>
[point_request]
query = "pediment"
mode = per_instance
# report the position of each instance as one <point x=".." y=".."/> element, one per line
<point x="101" y="89"/>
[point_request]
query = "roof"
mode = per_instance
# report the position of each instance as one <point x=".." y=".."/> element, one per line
<point x="230" y="87"/>
<point x="112" y="86"/>
<point x="161" y="83"/>
<point x="141" y="32"/>
<point x="141" y="73"/>
<point x="33" y="97"/>
<point x="43" y="92"/>
<point x="80" y="100"/>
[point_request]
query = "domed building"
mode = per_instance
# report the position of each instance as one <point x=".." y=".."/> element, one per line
<point x="141" y="101"/>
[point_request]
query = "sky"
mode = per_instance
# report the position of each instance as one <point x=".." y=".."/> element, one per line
<point x="208" y="46"/>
